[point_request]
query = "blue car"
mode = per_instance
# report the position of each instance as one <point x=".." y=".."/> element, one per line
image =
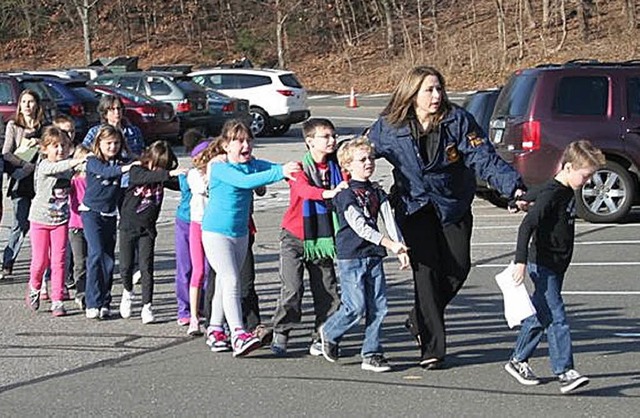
<point x="73" y="98"/>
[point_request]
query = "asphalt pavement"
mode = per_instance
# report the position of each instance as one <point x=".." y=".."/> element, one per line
<point x="72" y="366"/>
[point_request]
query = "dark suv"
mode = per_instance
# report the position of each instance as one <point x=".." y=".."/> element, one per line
<point x="541" y="110"/>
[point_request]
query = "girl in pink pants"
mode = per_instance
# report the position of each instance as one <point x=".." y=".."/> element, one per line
<point x="49" y="216"/>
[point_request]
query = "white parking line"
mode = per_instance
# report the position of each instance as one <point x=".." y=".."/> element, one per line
<point x="578" y="225"/>
<point x="346" y="117"/>
<point x="619" y="242"/>
<point x="627" y="334"/>
<point x="586" y="264"/>
<point x="323" y="96"/>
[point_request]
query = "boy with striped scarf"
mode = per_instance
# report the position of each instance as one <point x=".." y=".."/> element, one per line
<point x="307" y="239"/>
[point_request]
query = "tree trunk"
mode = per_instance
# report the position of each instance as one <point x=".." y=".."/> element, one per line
<point x="84" y="7"/>
<point x="583" y="19"/>
<point x="546" y="10"/>
<point x="563" y="16"/>
<point x="388" y="16"/>
<point x="279" y="42"/>
<point x="502" y="32"/>
<point x="528" y="11"/>
<point x="629" y="9"/>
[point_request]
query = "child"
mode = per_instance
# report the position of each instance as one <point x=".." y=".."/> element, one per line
<point x="48" y="216"/>
<point x="190" y="139"/>
<point x="138" y="216"/>
<point x="550" y="225"/>
<point x="360" y="252"/>
<point x="197" y="181"/>
<point x="307" y="237"/>
<point x="225" y="225"/>
<point x="99" y="211"/>
<point x="76" y="229"/>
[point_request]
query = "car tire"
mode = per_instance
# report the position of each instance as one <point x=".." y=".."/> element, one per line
<point x="260" y="121"/>
<point x="278" y="130"/>
<point x="608" y="195"/>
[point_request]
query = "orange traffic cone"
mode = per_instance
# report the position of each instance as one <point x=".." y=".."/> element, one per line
<point x="353" y="102"/>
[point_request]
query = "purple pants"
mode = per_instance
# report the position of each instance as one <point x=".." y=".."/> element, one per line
<point x="183" y="268"/>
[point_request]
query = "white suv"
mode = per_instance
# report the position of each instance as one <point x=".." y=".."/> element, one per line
<point x="276" y="97"/>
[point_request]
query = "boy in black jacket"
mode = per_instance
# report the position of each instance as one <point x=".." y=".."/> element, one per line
<point x="550" y="223"/>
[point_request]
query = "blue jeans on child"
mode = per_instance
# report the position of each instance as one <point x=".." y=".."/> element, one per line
<point x="550" y="316"/>
<point x="364" y="294"/>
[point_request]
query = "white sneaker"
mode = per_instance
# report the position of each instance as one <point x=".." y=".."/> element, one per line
<point x="125" y="304"/>
<point x="147" y="314"/>
<point x="136" y="277"/>
<point x="92" y="313"/>
<point x="105" y="312"/>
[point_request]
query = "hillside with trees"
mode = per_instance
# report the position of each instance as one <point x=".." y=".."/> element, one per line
<point x="332" y="44"/>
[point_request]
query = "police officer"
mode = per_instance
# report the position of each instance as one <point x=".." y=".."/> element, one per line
<point x="436" y="149"/>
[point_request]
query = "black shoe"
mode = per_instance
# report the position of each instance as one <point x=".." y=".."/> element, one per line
<point x="571" y="380"/>
<point x="329" y="349"/>
<point x="432" y="363"/>
<point x="522" y="372"/>
<point x="408" y="324"/>
<point x="376" y="363"/>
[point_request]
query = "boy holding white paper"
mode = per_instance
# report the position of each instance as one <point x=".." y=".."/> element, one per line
<point x="550" y="226"/>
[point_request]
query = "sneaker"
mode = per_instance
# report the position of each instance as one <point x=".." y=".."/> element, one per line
<point x="57" y="309"/>
<point x="243" y="343"/>
<point x="136" y="277"/>
<point x="92" y="313"/>
<point x="183" y="321"/>
<point x="571" y="380"/>
<point x="147" y="314"/>
<point x="522" y="372"/>
<point x="329" y="349"/>
<point x="279" y="344"/>
<point x="79" y="301"/>
<point x="33" y="299"/>
<point x="218" y="341"/>
<point x="264" y="334"/>
<point x="432" y="363"/>
<point x="105" y="313"/>
<point x="376" y="363"/>
<point x="125" y="304"/>
<point x="194" y="328"/>
<point x="315" y="349"/>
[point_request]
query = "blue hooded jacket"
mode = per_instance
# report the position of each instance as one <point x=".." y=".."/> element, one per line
<point x="449" y="180"/>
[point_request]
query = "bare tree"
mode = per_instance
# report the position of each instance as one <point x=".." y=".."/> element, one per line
<point x="281" y="19"/>
<point x="546" y="13"/>
<point x="629" y="11"/>
<point x="388" y="16"/>
<point x="583" y="19"/>
<point x="84" y="9"/>
<point x="563" y="17"/>
<point x="502" y="31"/>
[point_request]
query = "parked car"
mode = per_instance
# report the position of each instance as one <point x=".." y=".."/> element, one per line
<point x="91" y="72"/>
<point x="540" y="110"/>
<point x="188" y="99"/>
<point x="276" y="98"/>
<point x="222" y="108"/>
<point x="156" y="119"/>
<point x="480" y="104"/>
<point x="73" y="98"/>
<point x="12" y="84"/>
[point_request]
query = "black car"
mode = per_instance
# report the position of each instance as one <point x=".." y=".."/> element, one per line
<point x="73" y="98"/>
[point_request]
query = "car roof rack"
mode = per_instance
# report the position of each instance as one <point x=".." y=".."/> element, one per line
<point x="589" y="62"/>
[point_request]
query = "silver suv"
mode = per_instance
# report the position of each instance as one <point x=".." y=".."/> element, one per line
<point x="277" y="99"/>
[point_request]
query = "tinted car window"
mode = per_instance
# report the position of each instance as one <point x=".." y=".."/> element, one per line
<point x="6" y="96"/>
<point x="633" y="96"/>
<point x="158" y="87"/>
<point x="130" y="83"/>
<point x="189" y="86"/>
<point x="515" y="97"/>
<point x="245" y="81"/>
<point x="105" y="81"/>
<point x="582" y="96"/>
<point x="290" y="80"/>
<point x="84" y="93"/>
<point x="39" y="88"/>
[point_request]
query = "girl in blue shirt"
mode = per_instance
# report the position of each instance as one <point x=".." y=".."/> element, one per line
<point x="225" y="226"/>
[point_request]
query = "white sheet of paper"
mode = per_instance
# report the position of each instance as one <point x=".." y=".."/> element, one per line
<point x="517" y="303"/>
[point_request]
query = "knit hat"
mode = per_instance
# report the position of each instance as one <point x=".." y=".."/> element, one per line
<point x="199" y="148"/>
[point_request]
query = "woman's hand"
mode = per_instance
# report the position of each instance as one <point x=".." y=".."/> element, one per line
<point x="291" y="168"/>
<point x="519" y="273"/>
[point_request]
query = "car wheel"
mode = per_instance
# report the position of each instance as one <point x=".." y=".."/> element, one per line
<point x="280" y="129"/>
<point x="608" y="195"/>
<point x="259" y="124"/>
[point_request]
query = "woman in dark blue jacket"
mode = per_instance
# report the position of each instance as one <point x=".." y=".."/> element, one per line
<point x="437" y="149"/>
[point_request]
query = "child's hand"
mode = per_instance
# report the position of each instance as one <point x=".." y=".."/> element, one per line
<point x="176" y="172"/>
<point x="330" y="194"/>
<point x="398" y="247"/>
<point x="291" y="168"/>
<point x="127" y="167"/>
<point x="518" y="273"/>
<point x="404" y="260"/>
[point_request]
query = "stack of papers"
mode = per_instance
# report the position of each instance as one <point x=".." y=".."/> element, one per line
<point x="517" y="304"/>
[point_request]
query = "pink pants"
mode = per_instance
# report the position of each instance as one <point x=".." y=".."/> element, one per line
<point x="48" y="248"/>
<point x="196" y="250"/>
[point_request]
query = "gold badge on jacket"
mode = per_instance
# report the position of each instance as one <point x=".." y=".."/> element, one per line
<point x="452" y="153"/>
<point x="474" y="140"/>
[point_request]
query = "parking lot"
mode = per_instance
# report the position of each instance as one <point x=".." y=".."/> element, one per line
<point x="72" y="366"/>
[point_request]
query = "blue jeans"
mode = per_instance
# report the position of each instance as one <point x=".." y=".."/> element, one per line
<point x="100" y="233"/>
<point x="364" y="294"/>
<point x="550" y="316"/>
<point x="19" y="229"/>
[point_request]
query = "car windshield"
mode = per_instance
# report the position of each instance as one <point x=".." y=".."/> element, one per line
<point x="515" y="96"/>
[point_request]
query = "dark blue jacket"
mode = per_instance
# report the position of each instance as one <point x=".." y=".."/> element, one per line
<point x="103" y="185"/>
<point x="449" y="180"/>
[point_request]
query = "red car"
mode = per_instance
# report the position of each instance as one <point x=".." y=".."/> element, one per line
<point x="156" y="119"/>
